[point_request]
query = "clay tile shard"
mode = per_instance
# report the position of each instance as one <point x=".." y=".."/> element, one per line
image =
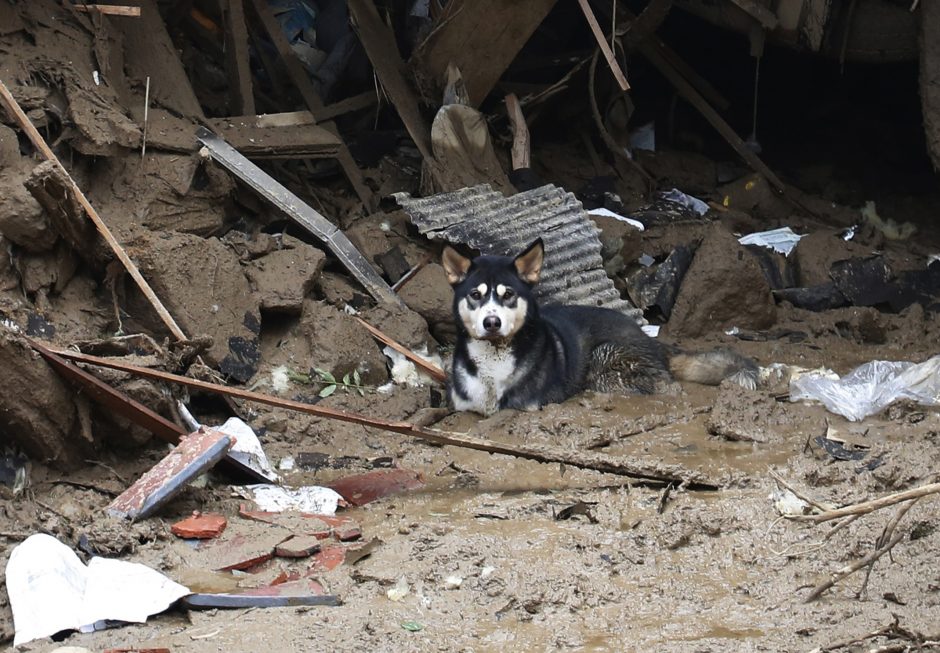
<point x="243" y="552"/>
<point x="200" y="526"/>
<point x="299" y="546"/>
<point x="195" y="453"/>
<point x="361" y="489"/>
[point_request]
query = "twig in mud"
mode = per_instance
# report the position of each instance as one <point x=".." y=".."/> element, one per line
<point x="866" y="507"/>
<point x="665" y="420"/>
<point x="110" y="469"/>
<point x="848" y="570"/>
<point x="894" y="630"/>
<point x="886" y="535"/>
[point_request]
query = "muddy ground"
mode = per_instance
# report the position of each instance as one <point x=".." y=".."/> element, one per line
<point x="488" y="564"/>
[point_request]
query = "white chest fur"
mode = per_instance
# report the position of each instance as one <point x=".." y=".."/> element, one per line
<point x="496" y="372"/>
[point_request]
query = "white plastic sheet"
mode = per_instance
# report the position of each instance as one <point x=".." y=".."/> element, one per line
<point x="872" y="387"/>
<point x="51" y="590"/>
<point x="781" y="240"/>
<point x="312" y="499"/>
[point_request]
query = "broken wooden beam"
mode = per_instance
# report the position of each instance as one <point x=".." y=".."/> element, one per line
<point x="520" y="134"/>
<point x="652" y="49"/>
<point x="482" y="37"/>
<point x="609" y="54"/>
<point x="301" y="81"/>
<point x="430" y="369"/>
<point x="299" y="212"/>
<point x="654" y="471"/>
<point x="14" y="109"/>
<point x="115" y="401"/>
<point x="289" y="142"/>
<point x="110" y="10"/>
<point x="236" y="57"/>
<point x="380" y="46"/>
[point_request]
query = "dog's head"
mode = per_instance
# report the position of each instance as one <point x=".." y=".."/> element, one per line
<point x="493" y="294"/>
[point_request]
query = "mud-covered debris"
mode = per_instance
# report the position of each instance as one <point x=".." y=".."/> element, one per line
<point x="200" y="526"/>
<point x="22" y="219"/>
<point x="194" y="454"/>
<point x="37" y="409"/>
<point x="723" y="287"/>
<point x="293" y="593"/>
<point x="580" y="508"/>
<point x="284" y="277"/>
<point x="656" y="287"/>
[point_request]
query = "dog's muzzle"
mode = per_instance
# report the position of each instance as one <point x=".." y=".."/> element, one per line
<point x="492" y="324"/>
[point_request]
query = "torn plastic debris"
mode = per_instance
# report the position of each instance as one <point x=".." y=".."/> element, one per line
<point x="247" y="448"/>
<point x="310" y="498"/>
<point x="616" y="216"/>
<point x="693" y="203"/>
<point x="51" y="590"/>
<point x="781" y="240"/>
<point x="871" y="387"/>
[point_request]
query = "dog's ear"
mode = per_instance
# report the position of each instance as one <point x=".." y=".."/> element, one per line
<point x="455" y="265"/>
<point x="529" y="263"/>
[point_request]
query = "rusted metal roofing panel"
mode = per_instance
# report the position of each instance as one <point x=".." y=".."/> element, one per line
<point x="484" y="219"/>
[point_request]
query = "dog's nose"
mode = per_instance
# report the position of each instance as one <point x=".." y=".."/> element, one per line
<point x="491" y="323"/>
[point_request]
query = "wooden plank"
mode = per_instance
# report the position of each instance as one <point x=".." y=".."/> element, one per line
<point x="296" y="141"/>
<point x="430" y="369"/>
<point x="150" y="52"/>
<point x="334" y="239"/>
<point x="298" y="76"/>
<point x="348" y="105"/>
<point x="482" y="37"/>
<point x="604" y="46"/>
<point x="379" y="43"/>
<point x="110" y="10"/>
<point x="651" y="48"/>
<point x="14" y="110"/>
<point x="236" y="57"/>
<point x="930" y="77"/>
<point x="520" y="133"/>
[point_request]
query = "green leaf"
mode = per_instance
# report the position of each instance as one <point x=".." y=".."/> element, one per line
<point x="326" y="375"/>
<point x="328" y="390"/>
<point x="412" y="626"/>
<point x="346" y="379"/>
<point x="362" y="391"/>
<point x="356" y="377"/>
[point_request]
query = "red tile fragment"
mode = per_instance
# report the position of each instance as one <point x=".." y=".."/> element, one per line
<point x="361" y="489"/>
<point x="285" y="577"/>
<point x="299" y="546"/>
<point x="328" y="558"/>
<point x="200" y="526"/>
<point x="347" y="533"/>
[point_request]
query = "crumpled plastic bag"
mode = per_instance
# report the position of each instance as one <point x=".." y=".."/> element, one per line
<point x="871" y="387"/>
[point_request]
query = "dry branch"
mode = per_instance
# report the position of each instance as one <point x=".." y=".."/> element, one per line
<point x="866" y="507"/>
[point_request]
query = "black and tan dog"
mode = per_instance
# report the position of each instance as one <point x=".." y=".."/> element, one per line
<point x="513" y="353"/>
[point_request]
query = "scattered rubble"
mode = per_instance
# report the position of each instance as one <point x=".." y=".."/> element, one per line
<point x="231" y="213"/>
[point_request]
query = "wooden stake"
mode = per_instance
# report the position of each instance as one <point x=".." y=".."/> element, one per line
<point x="14" y="109"/>
<point x="520" y="134"/>
<point x="143" y="140"/>
<point x="605" y="48"/>
<point x="430" y="369"/>
<point x="111" y="10"/>
<point x="656" y="471"/>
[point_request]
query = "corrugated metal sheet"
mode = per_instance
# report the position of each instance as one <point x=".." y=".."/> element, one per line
<point x="486" y="220"/>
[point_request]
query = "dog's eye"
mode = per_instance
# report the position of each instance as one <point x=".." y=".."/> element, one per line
<point x="509" y="294"/>
<point x="476" y="295"/>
